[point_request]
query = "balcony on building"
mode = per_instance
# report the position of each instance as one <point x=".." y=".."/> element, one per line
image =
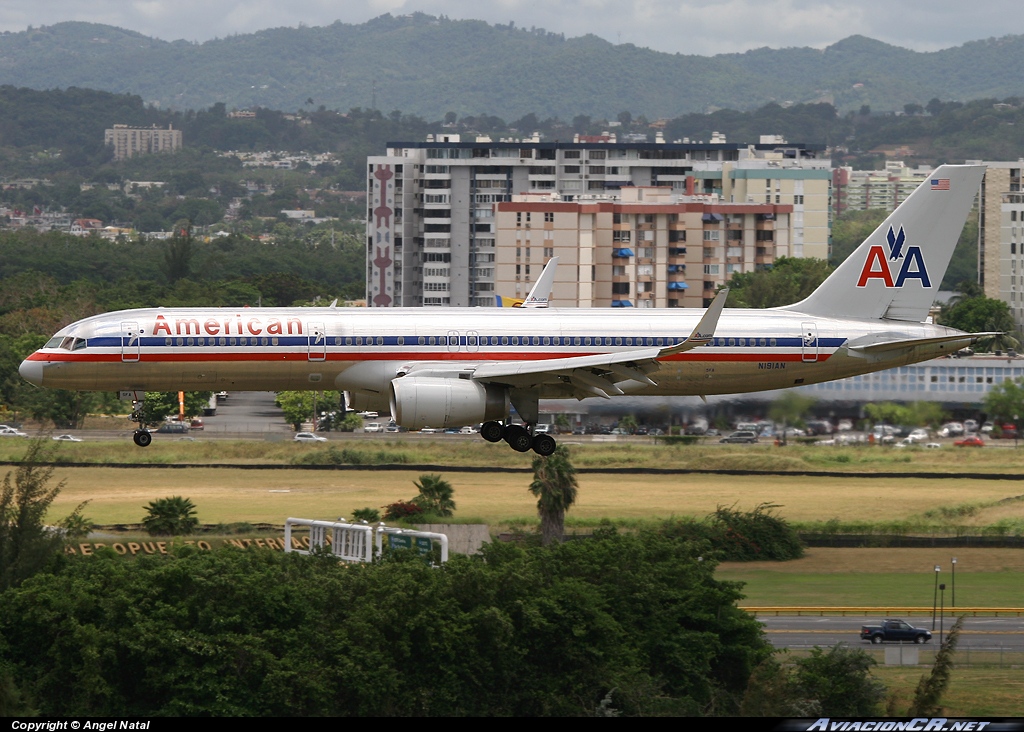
<point x="623" y="253"/>
<point x="622" y="303"/>
<point x="678" y="286"/>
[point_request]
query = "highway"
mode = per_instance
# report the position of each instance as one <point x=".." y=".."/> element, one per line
<point x="980" y="633"/>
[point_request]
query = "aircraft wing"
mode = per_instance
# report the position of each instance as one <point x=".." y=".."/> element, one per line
<point x="598" y="375"/>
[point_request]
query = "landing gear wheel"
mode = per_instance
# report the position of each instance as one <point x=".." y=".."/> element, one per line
<point x="518" y="438"/>
<point x="142" y="438"/>
<point x="492" y="431"/>
<point x="544" y="445"/>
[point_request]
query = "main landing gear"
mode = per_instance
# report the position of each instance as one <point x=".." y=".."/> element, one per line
<point x="518" y="437"/>
<point x="142" y="438"/>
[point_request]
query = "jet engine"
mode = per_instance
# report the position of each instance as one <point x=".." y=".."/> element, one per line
<point x="418" y="402"/>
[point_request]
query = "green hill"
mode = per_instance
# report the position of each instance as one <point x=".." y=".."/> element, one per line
<point x="428" y="66"/>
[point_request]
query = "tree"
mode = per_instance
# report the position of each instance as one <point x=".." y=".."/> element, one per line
<point x="27" y="544"/>
<point x="1005" y="401"/>
<point x="790" y="408"/>
<point x="840" y="680"/>
<point x="829" y="682"/>
<point x="172" y="516"/>
<point x="930" y="689"/>
<point x="978" y="315"/>
<point x="159" y="405"/>
<point x="179" y="253"/>
<point x="789" y="281"/>
<point x="850" y="229"/>
<point x="435" y="495"/>
<point x="555" y="485"/>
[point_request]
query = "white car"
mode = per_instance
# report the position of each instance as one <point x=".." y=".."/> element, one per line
<point x="67" y="438"/>
<point x="373" y="427"/>
<point x="369" y="415"/>
<point x="12" y="432"/>
<point x="467" y="430"/>
<point x="430" y="430"/>
<point x="918" y="435"/>
<point x="308" y="437"/>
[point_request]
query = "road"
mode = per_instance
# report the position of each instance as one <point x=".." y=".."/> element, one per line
<point x="981" y="633"/>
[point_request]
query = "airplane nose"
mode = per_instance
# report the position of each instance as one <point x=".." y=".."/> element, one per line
<point x="32" y="371"/>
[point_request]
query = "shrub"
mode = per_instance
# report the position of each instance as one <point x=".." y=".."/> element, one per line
<point x="754" y="535"/>
<point x="370" y="515"/>
<point x="401" y="510"/>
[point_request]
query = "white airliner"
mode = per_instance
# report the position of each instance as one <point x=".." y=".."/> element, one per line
<point x="452" y="367"/>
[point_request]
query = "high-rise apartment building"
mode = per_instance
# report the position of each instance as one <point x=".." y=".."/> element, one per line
<point x="860" y="190"/>
<point x="128" y="141"/>
<point x="646" y="247"/>
<point x="1001" y="235"/>
<point x="431" y="234"/>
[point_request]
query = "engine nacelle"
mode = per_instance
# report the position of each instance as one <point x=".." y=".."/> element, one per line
<point x="418" y="402"/>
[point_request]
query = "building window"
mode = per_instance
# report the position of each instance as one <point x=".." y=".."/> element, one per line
<point x="571" y="154"/>
<point x="549" y="217"/>
<point x="569" y="169"/>
<point x="712" y="234"/>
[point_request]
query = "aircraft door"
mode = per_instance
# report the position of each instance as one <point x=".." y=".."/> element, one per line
<point x="453" y="341"/>
<point x="472" y="341"/>
<point x="131" y="344"/>
<point x="317" y="342"/>
<point x="809" y="343"/>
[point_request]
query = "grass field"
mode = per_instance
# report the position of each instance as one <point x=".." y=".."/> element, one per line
<point x="973" y="692"/>
<point x="878" y="577"/>
<point x="226" y="495"/>
<point x="472" y="451"/>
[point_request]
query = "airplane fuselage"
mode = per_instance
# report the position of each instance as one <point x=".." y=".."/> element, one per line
<point x="357" y="349"/>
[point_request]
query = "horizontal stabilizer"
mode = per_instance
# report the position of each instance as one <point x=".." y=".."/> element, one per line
<point x="905" y="343"/>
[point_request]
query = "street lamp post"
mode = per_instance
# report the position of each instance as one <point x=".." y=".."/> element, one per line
<point x="942" y="610"/>
<point x="952" y="602"/>
<point x="935" y="599"/>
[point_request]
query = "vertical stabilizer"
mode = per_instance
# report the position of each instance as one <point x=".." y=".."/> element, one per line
<point x="541" y="291"/>
<point x="895" y="273"/>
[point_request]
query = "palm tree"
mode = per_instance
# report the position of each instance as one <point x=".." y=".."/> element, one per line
<point x="554" y="484"/>
<point x="435" y="495"/>
<point x="172" y="516"/>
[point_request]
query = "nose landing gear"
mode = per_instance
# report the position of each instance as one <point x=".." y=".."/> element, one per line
<point x="518" y="437"/>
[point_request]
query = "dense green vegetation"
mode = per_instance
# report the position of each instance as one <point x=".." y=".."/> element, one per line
<point x="414" y="62"/>
<point x="636" y="620"/>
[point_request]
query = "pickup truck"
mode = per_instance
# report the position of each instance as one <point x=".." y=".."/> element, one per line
<point x="894" y="630"/>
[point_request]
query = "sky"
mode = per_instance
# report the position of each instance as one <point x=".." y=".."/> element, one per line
<point x="703" y="27"/>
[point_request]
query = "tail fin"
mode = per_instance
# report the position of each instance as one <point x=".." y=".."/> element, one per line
<point x="895" y="273"/>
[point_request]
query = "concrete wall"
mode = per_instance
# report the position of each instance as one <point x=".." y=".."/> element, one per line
<point x="462" y="538"/>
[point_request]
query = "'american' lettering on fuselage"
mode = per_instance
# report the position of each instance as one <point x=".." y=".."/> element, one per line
<point x="229" y="326"/>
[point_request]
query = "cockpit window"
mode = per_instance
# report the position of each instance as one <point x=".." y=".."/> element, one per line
<point x="79" y="344"/>
<point x="53" y="342"/>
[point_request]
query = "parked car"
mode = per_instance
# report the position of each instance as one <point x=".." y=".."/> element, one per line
<point x="173" y="428"/>
<point x="894" y="630"/>
<point x="951" y="429"/>
<point x="430" y="430"/>
<point x="196" y="424"/>
<point x="308" y="437"/>
<point x="373" y="427"/>
<point x="66" y="438"/>
<point x="740" y="436"/>
<point x="12" y="432"/>
<point x="970" y="441"/>
<point x="918" y="435"/>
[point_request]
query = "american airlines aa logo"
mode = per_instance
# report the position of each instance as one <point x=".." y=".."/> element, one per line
<point x="908" y="260"/>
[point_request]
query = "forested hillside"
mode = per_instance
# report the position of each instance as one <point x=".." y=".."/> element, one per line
<point x="428" y="66"/>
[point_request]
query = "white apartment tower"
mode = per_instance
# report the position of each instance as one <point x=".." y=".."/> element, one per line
<point x="431" y="205"/>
